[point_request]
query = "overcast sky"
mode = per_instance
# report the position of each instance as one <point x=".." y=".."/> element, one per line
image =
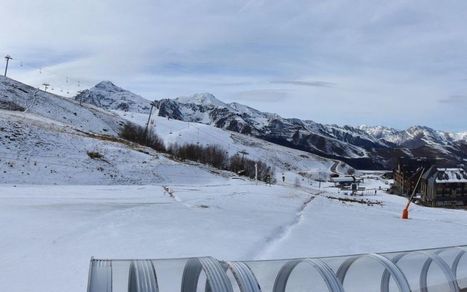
<point x="393" y="63"/>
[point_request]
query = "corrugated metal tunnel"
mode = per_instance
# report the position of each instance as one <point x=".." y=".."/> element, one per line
<point x="441" y="269"/>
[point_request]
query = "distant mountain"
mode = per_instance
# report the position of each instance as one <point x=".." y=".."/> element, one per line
<point x="47" y="138"/>
<point x="362" y="147"/>
<point x="19" y="96"/>
<point x="109" y="96"/>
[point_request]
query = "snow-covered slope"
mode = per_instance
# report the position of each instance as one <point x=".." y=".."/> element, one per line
<point x="45" y="138"/>
<point x="284" y="159"/>
<point x="366" y="147"/>
<point x="49" y="233"/>
<point x="412" y="134"/>
<point x="361" y="147"/>
<point x="37" y="150"/>
<point x="109" y="96"/>
<point x="64" y="110"/>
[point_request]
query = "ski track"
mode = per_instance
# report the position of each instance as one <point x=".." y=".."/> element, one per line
<point x="282" y="232"/>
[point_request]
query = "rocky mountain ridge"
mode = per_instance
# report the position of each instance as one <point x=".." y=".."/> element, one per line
<point x="362" y="147"/>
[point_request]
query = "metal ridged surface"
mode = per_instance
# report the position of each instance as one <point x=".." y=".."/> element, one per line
<point x="140" y="275"/>
<point x="389" y="266"/>
<point x="245" y="278"/>
<point x="323" y="269"/>
<point x="217" y="280"/>
<point x="430" y="258"/>
<point x="100" y="276"/>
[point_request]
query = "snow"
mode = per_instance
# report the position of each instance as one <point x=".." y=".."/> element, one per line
<point x="49" y="233"/>
<point x="284" y="159"/>
<point x="58" y="108"/>
<point x="37" y="150"/>
<point x="59" y="206"/>
<point x="451" y="175"/>
<point x="459" y="136"/>
<point x="107" y="95"/>
<point x="201" y="99"/>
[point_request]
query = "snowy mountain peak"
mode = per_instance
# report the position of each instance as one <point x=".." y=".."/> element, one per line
<point x="108" y="86"/>
<point x="107" y="95"/>
<point x="206" y="99"/>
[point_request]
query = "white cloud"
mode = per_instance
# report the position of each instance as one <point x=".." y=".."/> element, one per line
<point x="378" y="54"/>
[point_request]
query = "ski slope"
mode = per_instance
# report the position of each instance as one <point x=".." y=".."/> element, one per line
<point x="285" y="160"/>
<point x="38" y="150"/>
<point x="49" y="233"/>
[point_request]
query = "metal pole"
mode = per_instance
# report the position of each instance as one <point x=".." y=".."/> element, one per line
<point x="8" y="58"/>
<point x="256" y="172"/>
<point x="147" y="124"/>
<point x="153" y="104"/>
<point x="405" y="212"/>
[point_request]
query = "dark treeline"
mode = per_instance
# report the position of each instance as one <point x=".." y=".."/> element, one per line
<point x="212" y="155"/>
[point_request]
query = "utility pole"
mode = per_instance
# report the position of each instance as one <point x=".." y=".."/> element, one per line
<point x="256" y="172"/>
<point x="7" y="58"/>
<point x="153" y="104"/>
<point x="46" y="85"/>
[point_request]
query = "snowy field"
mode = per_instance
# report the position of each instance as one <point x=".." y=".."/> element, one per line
<point x="49" y="233"/>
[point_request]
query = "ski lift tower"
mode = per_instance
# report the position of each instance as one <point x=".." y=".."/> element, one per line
<point x="46" y="85"/>
<point x="7" y="58"/>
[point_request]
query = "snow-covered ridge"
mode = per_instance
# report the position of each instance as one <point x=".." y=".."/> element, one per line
<point x="206" y="99"/>
<point x="107" y="95"/>
<point x="49" y="143"/>
<point x="64" y="110"/>
<point x="363" y="147"/>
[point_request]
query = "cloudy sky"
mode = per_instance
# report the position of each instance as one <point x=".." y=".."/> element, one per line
<point x="393" y="63"/>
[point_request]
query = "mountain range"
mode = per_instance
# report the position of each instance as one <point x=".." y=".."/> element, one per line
<point x="363" y="147"/>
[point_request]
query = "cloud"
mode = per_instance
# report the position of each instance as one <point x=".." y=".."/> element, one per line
<point x="262" y="95"/>
<point x="305" y="83"/>
<point x="366" y="53"/>
<point x="454" y="99"/>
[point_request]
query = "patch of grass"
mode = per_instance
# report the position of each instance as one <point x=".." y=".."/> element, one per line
<point x="95" y="155"/>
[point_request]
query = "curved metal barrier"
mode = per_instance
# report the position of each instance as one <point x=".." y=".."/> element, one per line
<point x="441" y="269"/>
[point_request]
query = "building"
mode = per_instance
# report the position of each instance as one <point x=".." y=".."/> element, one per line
<point x="444" y="187"/>
<point x="407" y="173"/>
<point x="346" y="181"/>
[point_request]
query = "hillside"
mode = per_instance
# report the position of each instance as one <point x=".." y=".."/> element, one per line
<point x="111" y="97"/>
<point x="46" y="139"/>
<point x="284" y="160"/>
<point x="362" y="147"/>
<point x="37" y="150"/>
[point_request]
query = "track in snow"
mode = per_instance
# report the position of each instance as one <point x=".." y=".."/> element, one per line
<point x="284" y="231"/>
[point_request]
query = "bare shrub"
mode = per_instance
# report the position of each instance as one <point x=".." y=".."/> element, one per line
<point x="138" y="134"/>
<point x="212" y="155"/>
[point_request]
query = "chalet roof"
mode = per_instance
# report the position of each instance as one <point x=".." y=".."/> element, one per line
<point x="450" y="175"/>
